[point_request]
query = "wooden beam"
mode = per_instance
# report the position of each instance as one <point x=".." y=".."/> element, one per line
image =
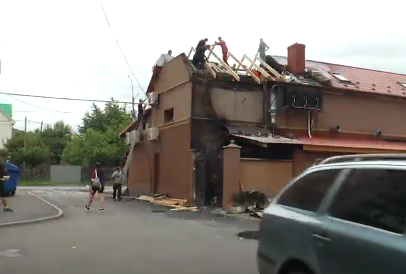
<point x="263" y="72"/>
<point x="245" y="68"/>
<point x="192" y="49"/>
<point x="215" y="67"/>
<point x="241" y="62"/>
<point x="210" y="69"/>
<point x="274" y="72"/>
<point x="212" y="48"/>
<point x="227" y="67"/>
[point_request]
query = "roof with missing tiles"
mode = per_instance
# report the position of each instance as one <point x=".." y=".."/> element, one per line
<point x="359" y="79"/>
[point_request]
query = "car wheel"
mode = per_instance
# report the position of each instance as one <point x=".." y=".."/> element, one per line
<point x="13" y="193"/>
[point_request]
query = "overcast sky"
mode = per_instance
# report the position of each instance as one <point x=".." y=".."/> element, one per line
<point x="65" y="48"/>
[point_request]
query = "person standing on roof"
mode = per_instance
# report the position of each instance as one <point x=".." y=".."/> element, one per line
<point x="199" y="58"/>
<point x="224" y="49"/>
<point x="140" y="109"/>
<point x="263" y="47"/>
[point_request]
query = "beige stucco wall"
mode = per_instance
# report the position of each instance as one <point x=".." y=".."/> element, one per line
<point x="268" y="177"/>
<point x="179" y="98"/>
<point x="239" y="106"/>
<point x="172" y="74"/>
<point x="354" y="113"/>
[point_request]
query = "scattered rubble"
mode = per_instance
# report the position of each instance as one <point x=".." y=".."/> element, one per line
<point x="163" y="200"/>
<point x="252" y="202"/>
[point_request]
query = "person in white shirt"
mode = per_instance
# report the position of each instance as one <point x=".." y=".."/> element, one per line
<point x="117" y="183"/>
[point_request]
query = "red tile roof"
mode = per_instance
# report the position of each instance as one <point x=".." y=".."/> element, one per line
<point x="353" y="143"/>
<point x="362" y="79"/>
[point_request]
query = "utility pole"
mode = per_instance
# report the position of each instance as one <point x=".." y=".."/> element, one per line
<point x="42" y="123"/>
<point x="132" y="94"/>
<point x="25" y="139"/>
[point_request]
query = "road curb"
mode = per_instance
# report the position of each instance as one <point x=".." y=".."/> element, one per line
<point x="56" y="216"/>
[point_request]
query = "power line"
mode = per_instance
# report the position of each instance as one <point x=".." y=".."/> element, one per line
<point x="38" y="111"/>
<point x="64" y="98"/>
<point x="115" y="38"/>
<point x="41" y="107"/>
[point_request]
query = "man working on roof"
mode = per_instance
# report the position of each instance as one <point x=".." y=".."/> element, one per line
<point x="263" y="47"/>
<point x="140" y="109"/>
<point x="224" y="49"/>
<point x="198" y="59"/>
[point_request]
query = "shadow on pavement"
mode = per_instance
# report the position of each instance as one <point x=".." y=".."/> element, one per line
<point x="249" y="235"/>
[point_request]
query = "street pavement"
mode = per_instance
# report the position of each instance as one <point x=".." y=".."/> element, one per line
<point x="26" y="207"/>
<point x="129" y="237"/>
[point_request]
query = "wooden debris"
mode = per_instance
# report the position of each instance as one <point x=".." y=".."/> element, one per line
<point x="176" y="204"/>
<point x="257" y="214"/>
<point x="145" y="198"/>
<point x="185" y="208"/>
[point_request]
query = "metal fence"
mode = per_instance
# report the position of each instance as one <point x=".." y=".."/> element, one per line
<point x="60" y="174"/>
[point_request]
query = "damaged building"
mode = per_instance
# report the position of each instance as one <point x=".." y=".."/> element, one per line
<point x="208" y="134"/>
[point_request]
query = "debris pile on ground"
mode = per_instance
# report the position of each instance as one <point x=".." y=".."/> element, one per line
<point x="252" y="202"/>
<point x="164" y="200"/>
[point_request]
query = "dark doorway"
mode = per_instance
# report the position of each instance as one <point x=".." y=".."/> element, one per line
<point x="200" y="180"/>
<point x="156" y="173"/>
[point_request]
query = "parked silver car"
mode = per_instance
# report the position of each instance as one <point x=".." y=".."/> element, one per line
<point x="346" y="215"/>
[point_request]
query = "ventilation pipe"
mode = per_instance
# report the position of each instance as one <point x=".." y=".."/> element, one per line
<point x="309" y="124"/>
<point x="272" y="102"/>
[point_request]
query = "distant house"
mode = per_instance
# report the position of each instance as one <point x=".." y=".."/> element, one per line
<point x="6" y="126"/>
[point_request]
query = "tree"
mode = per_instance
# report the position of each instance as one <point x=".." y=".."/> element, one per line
<point x="34" y="152"/>
<point x="101" y="119"/>
<point x="98" y="139"/>
<point x="87" y="148"/>
<point x="56" y="137"/>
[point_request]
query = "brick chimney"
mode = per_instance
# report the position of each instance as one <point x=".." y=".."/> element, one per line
<point x="296" y="59"/>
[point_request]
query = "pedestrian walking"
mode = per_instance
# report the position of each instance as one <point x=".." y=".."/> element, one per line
<point x="96" y="186"/>
<point x="117" y="183"/>
<point x="224" y="49"/>
<point x="3" y="194"/>
<point x="263" y="47"/>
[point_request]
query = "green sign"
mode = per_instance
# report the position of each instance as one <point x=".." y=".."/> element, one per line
<point x="7" y="108"/>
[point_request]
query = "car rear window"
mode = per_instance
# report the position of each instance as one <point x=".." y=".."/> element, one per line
<point x="308" y="192"/>
<point x="373" y="197"/>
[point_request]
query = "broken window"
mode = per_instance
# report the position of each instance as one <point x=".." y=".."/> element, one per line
<point x="168" y="115"/>
<point x="340" y="77"/>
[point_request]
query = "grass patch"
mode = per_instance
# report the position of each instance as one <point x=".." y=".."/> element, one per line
<point x="47" y="183"/>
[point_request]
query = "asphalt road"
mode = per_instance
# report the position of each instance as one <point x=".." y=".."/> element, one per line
<point x="129" y="237"/>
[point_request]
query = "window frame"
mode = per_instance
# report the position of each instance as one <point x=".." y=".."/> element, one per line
<point x="166" y="112"/>
<point x="334" y="194"/>
<point x="306" y="173"/>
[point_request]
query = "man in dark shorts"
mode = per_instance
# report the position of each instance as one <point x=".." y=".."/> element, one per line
<point x="97" y="186"/>
<point x="3" y="172"/>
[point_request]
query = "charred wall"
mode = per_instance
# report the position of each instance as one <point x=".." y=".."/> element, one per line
<point x="207" y="139"/>
<point x="228" y="102"/>
<point x="215" y="103"/>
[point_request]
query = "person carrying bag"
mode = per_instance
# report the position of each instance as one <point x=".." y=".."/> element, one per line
<point x="97" y="186"/>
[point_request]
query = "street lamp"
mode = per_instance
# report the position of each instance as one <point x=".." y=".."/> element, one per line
<point x="132" y="94"/>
